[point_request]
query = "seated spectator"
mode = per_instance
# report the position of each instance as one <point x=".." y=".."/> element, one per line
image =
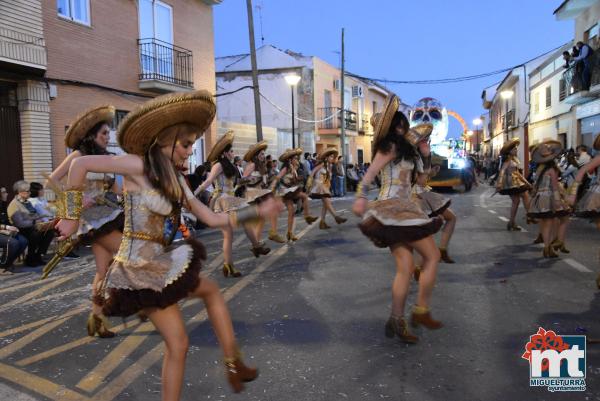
<point x="22" y="214"/>
<point x="39" y="202"/>
<point x="12" y="244"/>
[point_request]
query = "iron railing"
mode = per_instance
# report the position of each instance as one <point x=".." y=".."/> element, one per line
<point x="573" y="75"/>
<point x="350" y="118"/>
<point x="162" y="61"/>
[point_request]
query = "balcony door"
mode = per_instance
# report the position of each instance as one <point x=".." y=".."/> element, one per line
<point x="156" y="39"/>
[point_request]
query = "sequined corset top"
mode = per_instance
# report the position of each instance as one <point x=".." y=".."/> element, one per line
<point x="290" y="179"/>
<point x="95" y="184"/>
<point x="224" y="185"/>
<point x="396" y="180"/>
<point x="256" y="179"/>
<point x="323" y="175"/>
<point x="147" y="230"/>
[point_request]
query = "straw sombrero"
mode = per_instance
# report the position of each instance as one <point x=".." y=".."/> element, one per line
<point x="140" y="128"/>
<point x="546" y="151"/>
<point x="419" y="133"/>
<point x="86" y="121"/>
<point x="220" y="146"/>
<point x="327" y="152"/>
<point x="254" y="150"/>
<point x="382" y="121"/>
<point x="596" y="144"/>
<point x="532" y="147"/>
<point x="290" y="153"/>
<point x="508" y="146"/>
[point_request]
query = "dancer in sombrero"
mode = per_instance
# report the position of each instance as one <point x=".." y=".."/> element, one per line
<point x="548" y="204"/>
<point x="289" y="188"/>
<point x="102" y="219"/>
<point x="225" y="176"/>
<point x="319" y="185"/>
<point x="149" y="274"/>
<point x="512" y="183"/>
<point x="256" y="186"/>
<point x="395" y="219"/>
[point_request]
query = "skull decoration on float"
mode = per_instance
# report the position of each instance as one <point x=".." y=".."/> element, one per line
<point x="430" y="110"/>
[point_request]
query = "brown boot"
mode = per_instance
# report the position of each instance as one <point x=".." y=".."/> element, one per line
<point x="445" y="257"/>
<point x="340" y="220"/>
<point x="229" y="270"/>
<point x="238" y="373"/>
<point x="260" y="249"/>
<point x="310" y="219"/>
<point x="323" y="225"/>
<point x="98" y="324"/>
<point x="422" y="316"/>
<point x="548" y="252"/>
<point x="396" y="326"/>
<point x="539" y="239"/>
<point x="560" y="246"/>
<point x="291" y="236"/>
<point x="274" y="236"/>
<point x="417" y="273"/>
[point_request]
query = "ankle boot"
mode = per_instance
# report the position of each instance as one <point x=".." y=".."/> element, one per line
<point x="229" y="270"/>
<point x="260" y="249"/>
<point x="274" y="236"/>
<point x="417" y="273"/>
<point x="323" y="225"/>
<point x="396" y="326"/>
<point x="512" y="227"/>
<point x="291" y="236"/>
<point x="340" y="220"/>
<point x="310" y="219"/>
<point x="238" y="373"/>
<point x="560" y="246"/>
<point x="539" y="239"/>
<point x="548" y="252"/>
<point x="445" y="257"/>
<point x="422" y="316"/>
<point x="98" y="324"/>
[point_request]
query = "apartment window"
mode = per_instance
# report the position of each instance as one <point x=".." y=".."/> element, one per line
<point x="591" y="34"/>
<point x="548" y="96"/>
<point x="374" y="107"/>
<point x="75" y="10"/>
<point x="536" y="102"/>
<point x="562" y="90"/>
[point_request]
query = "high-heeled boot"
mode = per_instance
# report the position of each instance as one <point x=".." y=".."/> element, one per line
<point x="417" y="272"/>
<point x="539" y="239"/>
<point x="396" y="326"/>
<point x="274" y="236"/>
<point x="310" y="219"/>
<point x="291" y="236"/>
<point x="260" y="249"/>
<point x="445" y="257"/>
<point x="98" y="324"/>
<point x="323" y="225"/>
<point x="548" y="252"/>
<point x="238" y="373"/>
<point x="513" y="227"/>
<point x="422" y="316"/>
<point x="560" y="246"/>
<point x="340" y="220"/>
<point x="229" y="270"/>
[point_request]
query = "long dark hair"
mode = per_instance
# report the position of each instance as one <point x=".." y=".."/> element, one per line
<point x="229" y="169"/>
<point x="404" y="150"/>
<point x="543" y="168"/>
<point x="259" y="166"/>
<point x="88" y="145"/>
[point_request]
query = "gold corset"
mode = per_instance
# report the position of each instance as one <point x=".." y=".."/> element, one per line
<point x="224" y="185"/>
<point x="396" y="180"/>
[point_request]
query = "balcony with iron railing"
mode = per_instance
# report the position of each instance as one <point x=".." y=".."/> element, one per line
<point x="164" y="67"/>
<point x="573" y="76"/>
<point x="335" y="122"/>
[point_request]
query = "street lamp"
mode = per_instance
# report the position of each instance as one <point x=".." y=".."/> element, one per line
<point x="292" y="80"/>
<point x="507" y="94"/>
<point x="477" y="121"/>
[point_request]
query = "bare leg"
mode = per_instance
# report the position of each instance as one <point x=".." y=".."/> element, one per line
<point x="274" y="224"/>
<point x="258" y="227"/>
<point x="305" y="204"/>
<point x="431" y="257"/>
<point x="323" y="209"/>
<point x="526" y="201"/>
<point x="448" y="229"/>
<point x="170" y="325"/>
<point x="250" y="234"/>
<point x="404" y="269"/>
<point x="104" y="249"/>
<point x="329" y="206"/>
<point x="513" y="210"/>
<point x="561" y="232"/>
<point x="290" y="220"/>
<point x="227" y="244"/>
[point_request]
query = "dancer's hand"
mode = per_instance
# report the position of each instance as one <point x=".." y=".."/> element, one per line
<point x="66" y="228"/>
<point x="270" y="207"/>
<point x="360" y="206"/>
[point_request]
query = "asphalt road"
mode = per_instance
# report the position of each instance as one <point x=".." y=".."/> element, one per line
<point x="311" y="315"/>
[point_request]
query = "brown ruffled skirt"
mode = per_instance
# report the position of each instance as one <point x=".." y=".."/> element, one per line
<point x="547" y="205"/>
<point x="432" y="203"/>
<point x="113" y="225"/>
<point x="589" y="204"/>
<point x="514" y="191"/>
<point x="386" y="236"/>
<point x="293" y="195"/>
<point x="125" y="302"/>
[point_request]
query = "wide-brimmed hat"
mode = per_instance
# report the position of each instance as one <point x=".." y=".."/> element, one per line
<point x="546" y="151"/>
<point x="596" y="144"/>
<point x="508" y="146"/>
<point x="220" y="146"/>
<point x="140" y="128"/>
<point x="382" y="121"/>
<point x="532" y="147"/>
<point x="418" y="133"/>
<point x="325" y="154"/>
<point x="254" y="150"/>
<point x="86" y="121"/>
<point x="290" y="153"/>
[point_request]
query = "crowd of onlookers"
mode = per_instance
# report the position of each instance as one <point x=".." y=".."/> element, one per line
<point x="580" y="60"/>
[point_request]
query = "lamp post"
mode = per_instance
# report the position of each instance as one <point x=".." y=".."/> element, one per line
<point x="477" y="122"/>
<point x="292" y="80"/>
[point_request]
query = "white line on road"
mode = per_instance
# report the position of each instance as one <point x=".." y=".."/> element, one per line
<point x="503" y="218"/>
<point x="492" y="211"/>
<point x="577" y="266"/>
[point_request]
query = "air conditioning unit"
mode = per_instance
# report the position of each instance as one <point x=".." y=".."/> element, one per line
<point x="357" y="91"/>
<point x="337" y="84"/>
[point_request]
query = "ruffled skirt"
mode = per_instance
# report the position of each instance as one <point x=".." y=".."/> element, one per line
<point x="430" y="202"/>
<point x="97" y="221"/>
<point x="289" y="193"/>
<point x="320" y="190"/>
<point x="548" y="204"/>
<point x="392" y="221"/>
<point x="126" y="301"/>
<point x="226" y="203"/>
<point x="513" y="184"/>
<point x="256" y="195"/>
<point x="589" y="204"/>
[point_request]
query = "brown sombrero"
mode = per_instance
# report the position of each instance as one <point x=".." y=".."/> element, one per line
<point x="86" y="121"/>
<point x="382" y="121"/>
<point x="326" y="153"/>
<point x="290" y="153"/>
<point x="220" y="146"/>
<point x="254" y="150"/>
<point x="508" y="146"/>
<point x="140" y="128"/>
<point x="546" y="151"/>
<point x="419" y="133"/>
<point x="596" y="144"/>
<point x="532" y="147"/>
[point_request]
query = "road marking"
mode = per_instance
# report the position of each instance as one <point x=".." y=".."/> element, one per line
<point x="24" y="327"/>
<point x="576" y="265"/>
<point x="30" y="283"/>
<point x="57" y="295"/>
<point x="503" y="218"/>
<point x="492" y="211"/>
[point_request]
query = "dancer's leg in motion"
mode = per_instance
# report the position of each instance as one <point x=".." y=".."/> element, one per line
<point x="257" y="229"/>
<point x="227" y="244"/>
<point x="447" y="230"/>
<point x="329" y="207"/>
<point x="404" y="269"/>
<point x="290" y="217"/>
<point x="104" y="249"/>
<point x="430" y="256"/>
<point x="513" y="210"/>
